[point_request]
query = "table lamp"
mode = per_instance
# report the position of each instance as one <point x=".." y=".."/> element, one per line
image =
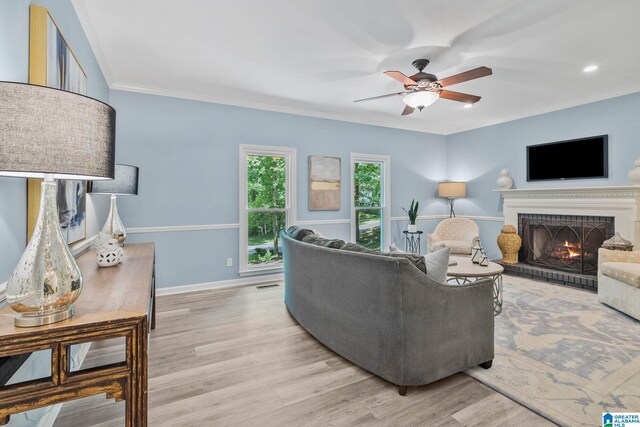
<point x="51" y="134"/>
<point x="452" y="191"/>
<point x="125" y="183"/>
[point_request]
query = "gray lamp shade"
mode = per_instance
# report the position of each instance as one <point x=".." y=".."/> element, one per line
<point x="125" y="182"/>
<point x="50" y="131"/>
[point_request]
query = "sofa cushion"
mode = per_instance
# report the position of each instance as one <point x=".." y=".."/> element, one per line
<point x="298" y="233"/>
<point x="627" y="272"/>
<point x="321" y="241"/>
<point x="416" y="260"/>
<point x="457" y="247"/>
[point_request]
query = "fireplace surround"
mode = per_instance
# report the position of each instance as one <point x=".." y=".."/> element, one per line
<point x="621" y="202"/>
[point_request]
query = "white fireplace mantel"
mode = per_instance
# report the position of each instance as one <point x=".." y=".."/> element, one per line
<point x="622" y="203"/>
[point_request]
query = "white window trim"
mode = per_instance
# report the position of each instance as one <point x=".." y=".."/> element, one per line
<point x="386" y="194"/>
<point x="291" y="200"/>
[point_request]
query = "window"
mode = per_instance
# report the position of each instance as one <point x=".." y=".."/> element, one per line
<point x="370" y="219"/>
<point x="267" y="188"/>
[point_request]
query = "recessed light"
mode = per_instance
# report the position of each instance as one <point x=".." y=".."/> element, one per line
<point x="590" y="68"/>
<point x="468" y="105"/>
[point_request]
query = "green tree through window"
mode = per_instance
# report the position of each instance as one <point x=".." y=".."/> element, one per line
<point x="266" y="196"/>
<point x="367" y="181"/>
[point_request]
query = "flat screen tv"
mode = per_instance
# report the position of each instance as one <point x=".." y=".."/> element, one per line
<point x="574" y="159"/>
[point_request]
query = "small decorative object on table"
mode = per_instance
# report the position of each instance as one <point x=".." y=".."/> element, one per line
<point x="412" y="241"/>
<point x="484" y="260"/>
<point x="413" y="215"/>
<point x="476" y="252"/>
<point x="617" y="243"/>
<point x="634" y="174"/>
<point x="509" y="243"/>
<point x="504" y="181"/>
<point x="108" y="251"/>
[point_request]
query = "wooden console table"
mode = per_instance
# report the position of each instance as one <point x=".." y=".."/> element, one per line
<point x="115" y="302"/>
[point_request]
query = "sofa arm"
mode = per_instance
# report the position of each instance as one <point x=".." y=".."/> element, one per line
<point x="447" y="328"/>
<point x="607" y="255"/>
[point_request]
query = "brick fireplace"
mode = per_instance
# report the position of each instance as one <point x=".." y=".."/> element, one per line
<point x="562" y="229"/>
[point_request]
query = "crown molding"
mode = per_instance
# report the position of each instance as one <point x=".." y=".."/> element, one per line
<point x="92" y="37"/>
<point x="371" y="122"/>
<point x="298" y="111"/>
<point x="549" y="109"/>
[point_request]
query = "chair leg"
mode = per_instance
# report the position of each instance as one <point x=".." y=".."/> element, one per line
<point x="402" y="390"/>
<point x="486" y="365"/>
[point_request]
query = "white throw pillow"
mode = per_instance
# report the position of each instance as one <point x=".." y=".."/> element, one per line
<point x="437" y="264"/>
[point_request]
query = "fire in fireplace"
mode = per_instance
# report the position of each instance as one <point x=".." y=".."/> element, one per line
<point x="563" y="242"/>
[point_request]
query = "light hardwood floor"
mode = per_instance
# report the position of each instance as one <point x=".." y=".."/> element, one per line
<point x="236" y="357"/>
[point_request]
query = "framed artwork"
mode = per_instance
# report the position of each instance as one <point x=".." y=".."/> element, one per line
<point x="324" y="183"/>
<point x="53" y="64"/>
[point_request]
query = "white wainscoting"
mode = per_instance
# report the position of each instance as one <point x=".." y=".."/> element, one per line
<point x="179" y="228"/>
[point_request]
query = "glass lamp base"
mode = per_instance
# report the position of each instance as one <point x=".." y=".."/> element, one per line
<point x="31" y="320"/>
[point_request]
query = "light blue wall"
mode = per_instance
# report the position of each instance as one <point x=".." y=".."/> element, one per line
<point x="14" y="66"/>
<point x="14" y="63"/>
<point x="187" y="152"/>
<point x="477" y="156"/>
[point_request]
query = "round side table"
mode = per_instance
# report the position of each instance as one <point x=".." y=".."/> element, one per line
<point x="466" y="271"/>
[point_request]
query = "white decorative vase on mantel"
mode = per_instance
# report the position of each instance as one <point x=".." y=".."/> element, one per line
<point x="504" y="181"/>
<point x="634" y="174"/>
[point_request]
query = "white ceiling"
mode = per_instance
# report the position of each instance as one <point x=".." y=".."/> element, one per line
<point x="314" y="57"/>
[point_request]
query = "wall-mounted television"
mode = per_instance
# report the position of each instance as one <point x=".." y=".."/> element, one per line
<point x="582" y="158"/>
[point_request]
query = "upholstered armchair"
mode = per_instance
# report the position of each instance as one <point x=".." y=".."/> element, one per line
<point x="458" y="234"/>
<point x="619" y="280"/>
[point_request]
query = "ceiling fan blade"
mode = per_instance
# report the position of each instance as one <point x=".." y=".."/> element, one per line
<point x="405" y="80"/>
<point x="408" y="110"/>
<point x="460" y="97"/>
<point x="381" y="96"/>
<point x="466" y="76"/>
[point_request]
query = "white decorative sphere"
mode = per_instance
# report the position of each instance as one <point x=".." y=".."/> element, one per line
<point x="634" y="174"/>
<point x="505" y="181"/>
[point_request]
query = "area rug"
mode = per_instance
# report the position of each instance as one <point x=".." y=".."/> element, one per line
<point x="564" y="355"/>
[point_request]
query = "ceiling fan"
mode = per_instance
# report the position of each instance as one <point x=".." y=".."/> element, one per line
<point x="423" y="89"/>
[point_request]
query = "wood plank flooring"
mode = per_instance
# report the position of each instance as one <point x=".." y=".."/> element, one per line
<point x="235" y="357"/>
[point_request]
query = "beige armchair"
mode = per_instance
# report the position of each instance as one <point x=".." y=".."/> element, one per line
<point x="458" y="234"/>
<point x="619" y="280"/>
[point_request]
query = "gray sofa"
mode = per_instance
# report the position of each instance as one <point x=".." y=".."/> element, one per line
<point x="386" y="316"/>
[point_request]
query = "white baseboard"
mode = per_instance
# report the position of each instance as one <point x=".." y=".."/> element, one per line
<point x="221" y="284"/>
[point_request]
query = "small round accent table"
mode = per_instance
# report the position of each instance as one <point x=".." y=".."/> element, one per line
<point x="412" y="241"/>
<point x="466" y="272"/>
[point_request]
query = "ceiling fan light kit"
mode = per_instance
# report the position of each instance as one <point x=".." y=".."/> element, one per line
<point x="423" y="89"/>
<point x="420" y="99"/>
